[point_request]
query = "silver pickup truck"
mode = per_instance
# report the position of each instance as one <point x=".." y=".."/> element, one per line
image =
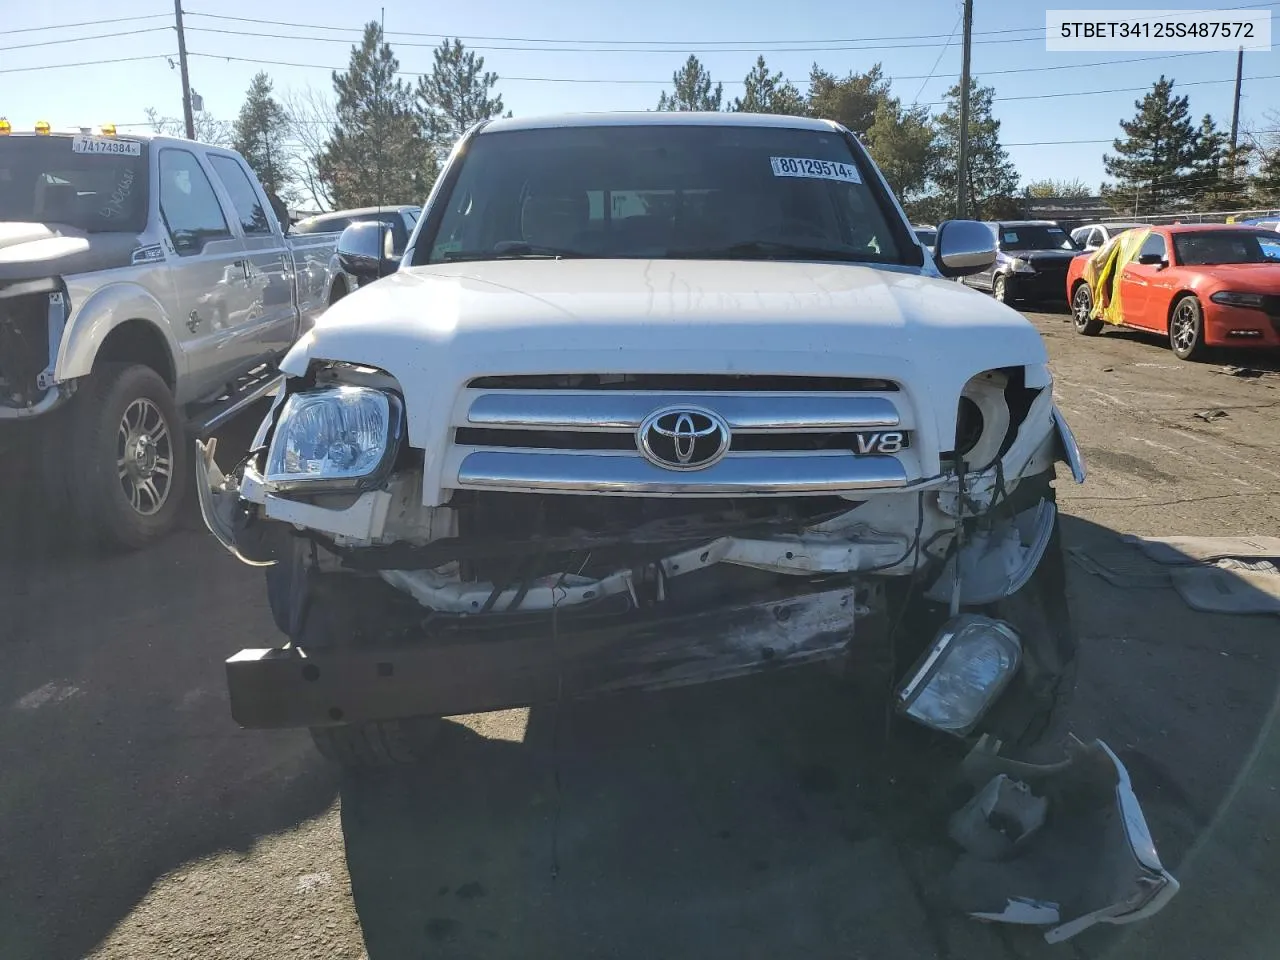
<point x="147" y="289"/>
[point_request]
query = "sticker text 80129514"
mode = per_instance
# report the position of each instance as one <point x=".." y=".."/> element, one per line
<point x="819" y="169"/>
<point x="106" y="145"/>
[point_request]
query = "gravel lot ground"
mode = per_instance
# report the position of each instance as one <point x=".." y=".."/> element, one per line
<point x="760" y="818"/>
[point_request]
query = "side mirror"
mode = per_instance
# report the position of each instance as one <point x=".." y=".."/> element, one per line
<point x="964" y="247"/>
<point x="363" y="251"/>
<point x="1151" y="259"/>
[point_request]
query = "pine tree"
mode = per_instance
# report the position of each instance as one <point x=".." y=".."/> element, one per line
<point x="1156" y="164"/>
<point x="693" y="90"/>
<point x="765" y="92"/>
<point x="260" y="135"/>
<point x="903" y="141"/>
<point x="455" y="95"/>
<point x="852" y="102"/>
<point x="991" y="181"/>
<point x="375" y="154"/>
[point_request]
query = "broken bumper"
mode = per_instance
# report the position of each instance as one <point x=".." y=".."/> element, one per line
<point x="471" y="667"/>
<point x="1062" y="846"/>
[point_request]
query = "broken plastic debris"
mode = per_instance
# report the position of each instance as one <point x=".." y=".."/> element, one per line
<point x="1208" y="416"/>
<point x="1095" y="857"/>
<point x="1000" y="818"/>
<point x="1021" y="910"/>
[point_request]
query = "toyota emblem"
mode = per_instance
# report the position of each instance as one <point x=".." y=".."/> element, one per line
<point x="683" y="438"/>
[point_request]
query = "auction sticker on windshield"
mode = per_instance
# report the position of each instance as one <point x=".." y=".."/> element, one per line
<point x="127" y="148"/>
<point x="821" y="169"/>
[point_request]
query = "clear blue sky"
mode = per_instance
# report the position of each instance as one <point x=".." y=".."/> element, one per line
<point x="786" y="33"/>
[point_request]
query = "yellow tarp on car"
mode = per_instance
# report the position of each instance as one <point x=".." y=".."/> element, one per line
<point x="1104" y="267"/>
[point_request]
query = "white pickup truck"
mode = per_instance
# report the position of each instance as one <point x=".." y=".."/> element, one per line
<point x="654" y="399"/>
<point x="147" y="292"/>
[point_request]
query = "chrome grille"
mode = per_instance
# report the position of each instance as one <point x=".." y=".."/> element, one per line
<point x="578" y="434"/>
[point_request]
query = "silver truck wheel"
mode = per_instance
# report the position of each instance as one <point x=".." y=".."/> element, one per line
<point x="128" y="456"/>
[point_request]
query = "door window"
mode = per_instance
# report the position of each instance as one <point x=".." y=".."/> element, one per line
<point x="188" y="203"/>
<point x="1154" y="245"/>
<point x="244" y="198"/>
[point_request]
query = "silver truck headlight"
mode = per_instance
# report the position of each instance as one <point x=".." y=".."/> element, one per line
<point x="962" y="674"/>
<point x="334" y="438"/>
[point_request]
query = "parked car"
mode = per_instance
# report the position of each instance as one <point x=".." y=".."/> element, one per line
<point x="400" y="221"/>
<point x="927" y="234"/>
<point x="1031" y="261"/>
<point x="1093" y="235"/>
<point x="147" y="291"/>
<point x="1201" y="285"/>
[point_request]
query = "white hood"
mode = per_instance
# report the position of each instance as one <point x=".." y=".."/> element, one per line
<point x="435" y="328"/>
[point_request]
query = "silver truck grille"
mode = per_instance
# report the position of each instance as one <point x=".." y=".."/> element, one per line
<point x="560" y="434"/>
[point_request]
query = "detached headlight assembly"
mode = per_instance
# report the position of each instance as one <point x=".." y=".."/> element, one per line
<point x="334" y="438"/>
<point x="962" y="674"/>
<point x="1230" y="298"/>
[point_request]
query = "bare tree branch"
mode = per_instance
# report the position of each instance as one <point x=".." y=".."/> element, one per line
<point x="312" y="118"/>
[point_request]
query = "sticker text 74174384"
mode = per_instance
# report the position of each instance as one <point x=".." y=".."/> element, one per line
<point x="127" y="148"/>
<point x="819" y="169"/>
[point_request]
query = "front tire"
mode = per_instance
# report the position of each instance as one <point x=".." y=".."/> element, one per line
<point x="1081" y="310"/>
<point x="1000" y="289"/>
<point x="1186" y="329"/>
<point x="126" y="457"/>
<point x="333" y="611"/>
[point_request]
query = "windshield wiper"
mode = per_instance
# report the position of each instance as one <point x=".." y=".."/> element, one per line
<point x="513" y="250"/>
<point x="768" y="250"/>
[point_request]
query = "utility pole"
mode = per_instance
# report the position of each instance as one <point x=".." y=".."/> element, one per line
<point x="1235" y="110"/>
<point x="182" y="68"/>
<point x="962" y="171"/>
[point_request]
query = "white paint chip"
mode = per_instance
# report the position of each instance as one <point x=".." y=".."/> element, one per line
<point x="49" y="693"/>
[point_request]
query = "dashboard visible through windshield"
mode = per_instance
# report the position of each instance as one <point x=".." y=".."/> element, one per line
<point x="651" y="191"/>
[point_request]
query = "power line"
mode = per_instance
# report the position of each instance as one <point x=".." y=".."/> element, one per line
<point x="941" y="53"/>
<point x="96" y="36"/>
<point x="934" y="103"/>
<point x="685" y="48"/>
<point x="82" y="23"/>
<point x="643" y="43"/>
<point x="87" y="63"/>
<point x="677" y="45"/>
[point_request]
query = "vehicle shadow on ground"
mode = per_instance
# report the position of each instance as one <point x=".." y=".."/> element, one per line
<point x="770" y="817"/>
<point x="118" y="757"/>
<point x="1267" y="361"/>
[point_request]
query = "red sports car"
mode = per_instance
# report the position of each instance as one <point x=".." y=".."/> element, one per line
<point x="1202" y="285"/>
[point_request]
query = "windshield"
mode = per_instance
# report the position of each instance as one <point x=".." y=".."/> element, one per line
<point x="1035" y="237"/>
<point x="712" y="192"/>
<point x="45" y="180"/>
<point x="1224" y="246"/>
<point x="927" y="237"/>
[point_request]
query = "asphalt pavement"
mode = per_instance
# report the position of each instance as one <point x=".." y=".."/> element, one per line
<point x="765" y="817"/>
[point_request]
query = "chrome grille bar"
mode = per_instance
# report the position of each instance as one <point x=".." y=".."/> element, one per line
<point x="619" y="474"/>
<point x="745" y="413"/>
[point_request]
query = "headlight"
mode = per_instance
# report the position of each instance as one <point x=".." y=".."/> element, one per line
<point x="1230" y="298"/>
<point x="1018" y="265"/>
<point x="962" y="674"/>
<point x="335" y="438"/>
<point x="982" y="420"/>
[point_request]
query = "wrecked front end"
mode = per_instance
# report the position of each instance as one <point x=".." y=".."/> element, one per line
<point x="581" y="535"/>
<point x="590" y="534"/>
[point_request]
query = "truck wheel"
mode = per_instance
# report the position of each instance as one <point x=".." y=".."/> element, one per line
<point x="382" y="744"/>
<point x="128" y="456"/>
<point x="333" y="611"/>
